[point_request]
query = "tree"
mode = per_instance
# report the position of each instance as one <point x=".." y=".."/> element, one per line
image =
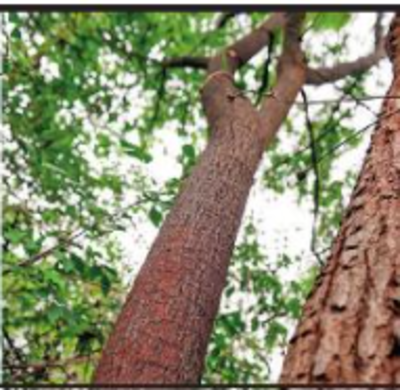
<point x="163" y="331"/>
<point x="89" y="97"/>
<point x="349" y="330"/>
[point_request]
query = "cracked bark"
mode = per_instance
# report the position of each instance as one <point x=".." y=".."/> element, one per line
<point x="350" y="329"/>
<point x="162" y="333"/>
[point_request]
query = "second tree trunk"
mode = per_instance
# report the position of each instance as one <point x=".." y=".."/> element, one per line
<point x="350" y="331"/>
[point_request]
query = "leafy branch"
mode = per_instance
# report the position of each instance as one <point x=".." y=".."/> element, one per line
<point x="71" y="238"/>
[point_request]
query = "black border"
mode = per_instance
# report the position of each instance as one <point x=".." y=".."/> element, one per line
<point x="227" y="386"/>
<point x="277" y="386"/>
<point x="149" y="7"/>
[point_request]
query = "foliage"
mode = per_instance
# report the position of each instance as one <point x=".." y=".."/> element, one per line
<point x="89" y="111"/>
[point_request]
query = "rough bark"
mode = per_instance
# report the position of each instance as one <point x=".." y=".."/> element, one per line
<point x="350" y="329"/>
<point x="162" y="333"/>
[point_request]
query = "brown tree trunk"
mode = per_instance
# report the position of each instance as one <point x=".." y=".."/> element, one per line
<point x="350" y="330"/>
<point x="161" y="336"/>
<point x="162" y="333"/>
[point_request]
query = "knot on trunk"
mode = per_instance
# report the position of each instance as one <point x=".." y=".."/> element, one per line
<point x="218" y="95"/>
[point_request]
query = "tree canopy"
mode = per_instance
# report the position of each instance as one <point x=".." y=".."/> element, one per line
<point x="103" y="121"/>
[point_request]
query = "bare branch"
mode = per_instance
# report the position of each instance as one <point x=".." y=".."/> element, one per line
<point x="330" y="74"/>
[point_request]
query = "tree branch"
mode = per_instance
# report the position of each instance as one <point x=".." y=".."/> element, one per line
<point x="323" y="75"/>
<point x="265" y="76"/>
<point x="223" y="19"/>
<point x="34" y="366"/>
<point x="239" y="53"/>
<point x="291" y="76"/>
<point x="317" y="181"/>
<point x="68" y="241"/>
<point x="16" y="351"/>
<point x="358" y="132"/>
<point x="62" y="243"/>
<point x="186" y="61"/>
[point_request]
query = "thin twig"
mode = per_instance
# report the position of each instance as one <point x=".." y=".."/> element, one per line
<point x="160" y="93"/>
<point x="355" y="134"/>
<point x="335" y="147"/>
<point x="64" y="243"/>
<point x="223" y="19"/>
<point x="314" y="161"/>
<point x="49" y="364"/>
<point x="265" y="76"/>
<point x="16" y="351"/>
<point x="349" y="99"/>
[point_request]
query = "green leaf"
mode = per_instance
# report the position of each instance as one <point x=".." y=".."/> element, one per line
<point x="189" y="151"/>
<point x="293" y="305"/>
<point x="330" y="20"/>
<point x="135" y="151"/>
<point x="105" y="284"/>
<point x="15" y="236"/>
<point x="55" y="313"/>
<point x="275" y="331"/>
<point x="155" y="216"/>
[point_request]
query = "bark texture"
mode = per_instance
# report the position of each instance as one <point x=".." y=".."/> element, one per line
<point x="162" y="333"/>
<point x="350" y="330"/>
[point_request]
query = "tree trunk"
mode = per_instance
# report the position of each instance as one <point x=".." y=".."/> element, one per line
<point x="350" y="330"/>
<point x="162" y="333"/>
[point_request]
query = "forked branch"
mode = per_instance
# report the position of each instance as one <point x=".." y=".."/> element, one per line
<point x="239" y="53"/>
